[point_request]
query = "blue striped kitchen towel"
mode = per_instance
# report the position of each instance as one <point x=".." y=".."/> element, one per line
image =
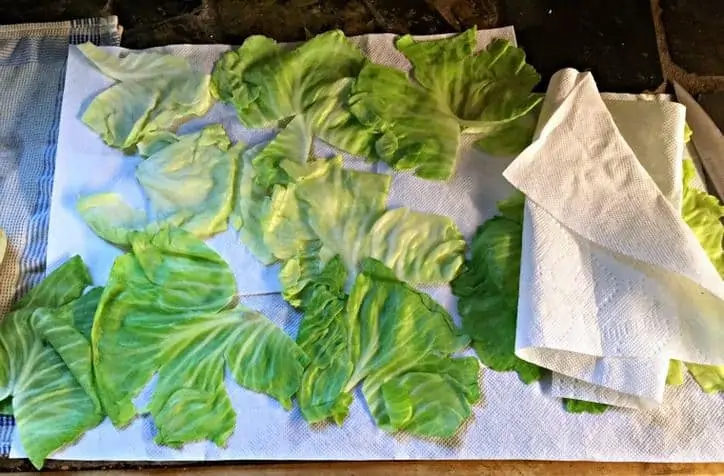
<point x="32" y="75"/>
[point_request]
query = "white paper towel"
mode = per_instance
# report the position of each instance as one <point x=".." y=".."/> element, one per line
<point x="513" y="421"/>
<point x="85" y="165"/>
<point x="613" y="282"/>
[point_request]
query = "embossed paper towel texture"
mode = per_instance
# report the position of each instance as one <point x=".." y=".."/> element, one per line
<point x="613" y="282"/>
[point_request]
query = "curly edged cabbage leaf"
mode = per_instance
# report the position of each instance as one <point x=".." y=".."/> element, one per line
<point x="394" y="340"/>
<point x="154" y="93"/>
<point x="703" y="213"/>
<point x="45" y="362"/>
<point x="167" y="309"/>
<point x="227" y="78"/>
<point x="251" y="203"/>
<point x="411" y="131"/>
<point x="267" y="84"/>
<point x="189" y="183"/>
<point x="326" y="88"/>
<point x="408" y="241"/>
<point x="328" y="210"/>
<point x="481" y="89"/>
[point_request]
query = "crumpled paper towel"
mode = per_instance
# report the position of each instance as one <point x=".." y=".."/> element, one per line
<point x="613" y="282"/>
<point x="512" y="421"/>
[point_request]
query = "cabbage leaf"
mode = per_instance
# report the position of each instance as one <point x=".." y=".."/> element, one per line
<point x="481" y="89"/>
<point x="325" y="88"/>
<point x="190" y="184"/>
<point x="394" y="340"/>
<point x="487" y="291"/>
<point x="167" y="309"/>
<point x="154" y="93"/>
<point x="328" y="210"/>
<point x="267" y="84"/>
<point x="703" y="213"/>
<point x="45" y="362"/>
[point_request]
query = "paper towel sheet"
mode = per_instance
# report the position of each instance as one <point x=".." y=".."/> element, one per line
<point x="85" y="165"/>
<point x="512" y="421"/>
<point x="613" y="282"/>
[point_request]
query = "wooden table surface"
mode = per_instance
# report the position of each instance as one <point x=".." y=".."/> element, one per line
<point x="422" y="468"/>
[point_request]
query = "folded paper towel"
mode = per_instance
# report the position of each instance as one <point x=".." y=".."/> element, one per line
<point x="613" y="282"/>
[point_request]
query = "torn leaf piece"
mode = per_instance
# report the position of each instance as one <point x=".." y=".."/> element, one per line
<point x="432" y="398"/>
<point x="267" y="85"/>
<point x="190" y="183"/>
<point x="396" y="341"/>
<point x="154" y="93"/>
<point x="328" y="210"/>
<point x="323" y="202"/>
<point x="49" y="379"/>
<point x="227" y="78"/>
<point x="675" y="375"/>
<point x="293" y="143"/>
<point x="110" y="217"/>
<point x="582" y="406"/>
<point x="419" y="247"/>
<point x="510" y="138"/>
<point x="401" y="342"/>
<point x="250" y="206"/>
<point x="481" y="89"/>
<point x="341" y="206"/>
<point x="303" y="269"/>
<point x="168" y="309"/>
<point x="67" y="330"/>
<point x="324" y="336"/>
<point x="709" y="377"/>
<point x="411" y="131"/>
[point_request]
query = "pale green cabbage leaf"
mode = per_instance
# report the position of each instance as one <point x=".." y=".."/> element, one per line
<point x="393" y="339"/>
<point x="410" y="130"/>
<point x="482" y="89"/>
<point x="167" y="309"/>
<point x="702" y="213"/>
<point x="328" y="210"/>
<point x="190" y="184"/>
<point x="410" y="241"/>
<point x="45" y="362"/>
<point x="110" y="217"/>
<point x="325" y="88"/>
<point x="154" y="93"/>
<point x="251" y="203"/>
<point x="267" y="84"/>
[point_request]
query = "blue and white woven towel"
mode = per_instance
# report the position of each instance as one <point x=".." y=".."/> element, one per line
<point x="32" y="75"/>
